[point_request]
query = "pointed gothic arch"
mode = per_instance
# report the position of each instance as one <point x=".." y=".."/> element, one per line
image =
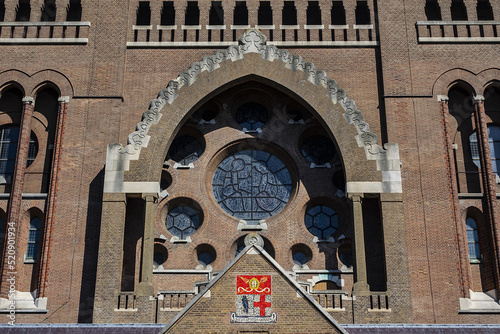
<point x="369" y="167"/>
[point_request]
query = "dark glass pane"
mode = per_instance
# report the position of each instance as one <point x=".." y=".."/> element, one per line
<point x="321" y="221"/>
<point x="251" y="116"/>
<point x="143" y="14"/>
<point x="432" y="10"/>
<point x="182" y="221"/>
<point x="289" y="13"/>
<point x="318" y="149"/>
<point x="185" y="150"/>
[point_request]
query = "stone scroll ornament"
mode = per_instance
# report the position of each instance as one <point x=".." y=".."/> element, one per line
<point x="253" y="300"/>
<point x="252" y="41"/>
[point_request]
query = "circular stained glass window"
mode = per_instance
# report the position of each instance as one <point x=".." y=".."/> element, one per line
<point x="322" y="221"/>
<point x="251" y="116"/>
<point x="252" y="185"/>
<point x="182" y="221"/>
<point x="185" y="150"/>
<point x="318" y="149"/>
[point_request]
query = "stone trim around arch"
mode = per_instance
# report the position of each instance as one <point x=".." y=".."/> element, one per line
<point x="254" y="42"/>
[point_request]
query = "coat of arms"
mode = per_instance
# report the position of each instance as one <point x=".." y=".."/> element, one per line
<point x="253" y="300"/>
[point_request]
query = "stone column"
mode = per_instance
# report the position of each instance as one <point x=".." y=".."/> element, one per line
<point x="361" y="287"/>
<point x="145" y="286"/>
<point x="53" y="185"/>
<point x="14" y="207"/>
<point x="109" y="265"/>
<point x="489" y="184"/>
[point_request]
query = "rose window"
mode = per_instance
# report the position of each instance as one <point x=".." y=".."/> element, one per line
<point x="252" y="185"/>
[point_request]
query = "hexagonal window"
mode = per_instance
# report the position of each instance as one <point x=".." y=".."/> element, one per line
<point x="318" y="149"/>
<point x="321" y="221"/>
<point x="251" y="116"/>
<point x="182" y="221"/>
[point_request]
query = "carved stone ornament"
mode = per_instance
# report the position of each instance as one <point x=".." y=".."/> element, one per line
<point x="252" y="41"/>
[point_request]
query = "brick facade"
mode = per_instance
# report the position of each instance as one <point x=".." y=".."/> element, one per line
<point x="403" y="182"/>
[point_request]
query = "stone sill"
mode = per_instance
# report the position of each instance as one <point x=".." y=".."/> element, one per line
<point x="451" y="40"/>
<point x="44" y="40"/>
<point x="24" y="311"/>
<point x="478" y="311"/>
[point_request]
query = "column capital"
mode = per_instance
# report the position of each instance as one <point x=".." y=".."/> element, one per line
<point x="28" y="99"/>
<point x="150" y="197"/>
<point x="64" y="99"/>
<point x="443" y="98"/>
<point x="355" y="197"/>
<point x="478" y="99"/>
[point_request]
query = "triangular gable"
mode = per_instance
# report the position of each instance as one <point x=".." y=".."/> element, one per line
<point x="253" y="293"/>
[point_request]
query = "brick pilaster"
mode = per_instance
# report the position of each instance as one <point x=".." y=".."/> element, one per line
<point x="52" y="196"/>
<point x="14" y="207"/>
<point x="464" y="268"/>
<point x="489" y="184"/>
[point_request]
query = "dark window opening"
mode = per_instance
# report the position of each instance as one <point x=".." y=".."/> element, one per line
<point x="216" y="17"/>
<point x="23" y="11"/>
<point x="289" y="14"/>
<point x="313" y="13"/>
<point x="143" y="14"/>
<point x="49" y="11"/>
<point x="192" y="14"/>
<point x="240" y="14"/>
<point x="11" y="100"/>
<point x="458" y="10"/>
<point x="432" y="10"/>
<point x="484" y="10"/>
<point x="338" y="14"/>
<point x="362" y="13"/>
<point x="265" y="15"/>
<point x="2" y="10"/>
<point x="167" y="14"/>
<point x="74" y="11"/>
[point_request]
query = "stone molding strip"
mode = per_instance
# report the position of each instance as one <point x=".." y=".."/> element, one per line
<point x="253" y="41"/>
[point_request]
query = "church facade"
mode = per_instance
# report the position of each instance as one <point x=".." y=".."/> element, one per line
<point x="141" y="143"/>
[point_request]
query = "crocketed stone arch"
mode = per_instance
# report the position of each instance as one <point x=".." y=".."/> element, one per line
<point x="252" y="60"/>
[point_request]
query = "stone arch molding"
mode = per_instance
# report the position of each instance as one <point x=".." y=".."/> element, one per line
<point x="376" y="171"/>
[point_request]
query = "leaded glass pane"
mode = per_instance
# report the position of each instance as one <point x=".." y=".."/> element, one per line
<point x="33" y="239"/>
<point x="205" y="258"/>
<point x="472" y="239"/>
<point x="185" y="150"/>
<point x="182" y="221"/>
<point x="321" y="221"/>
<point x="251" y="116"/>
<point x="318" y="149"/>
<point x="252" y="185"/>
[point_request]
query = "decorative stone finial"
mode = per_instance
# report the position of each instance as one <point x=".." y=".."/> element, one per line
<point x="254" y="239"/>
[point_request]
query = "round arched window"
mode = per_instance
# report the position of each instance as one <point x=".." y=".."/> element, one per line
<point x="251" y="116"/>
<point x="182" y="221"/>
<point x="318" y="149"/>
<point x="185" y="150"/>
<point x="252" y="185"/>
<point x="322" y="221"/>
